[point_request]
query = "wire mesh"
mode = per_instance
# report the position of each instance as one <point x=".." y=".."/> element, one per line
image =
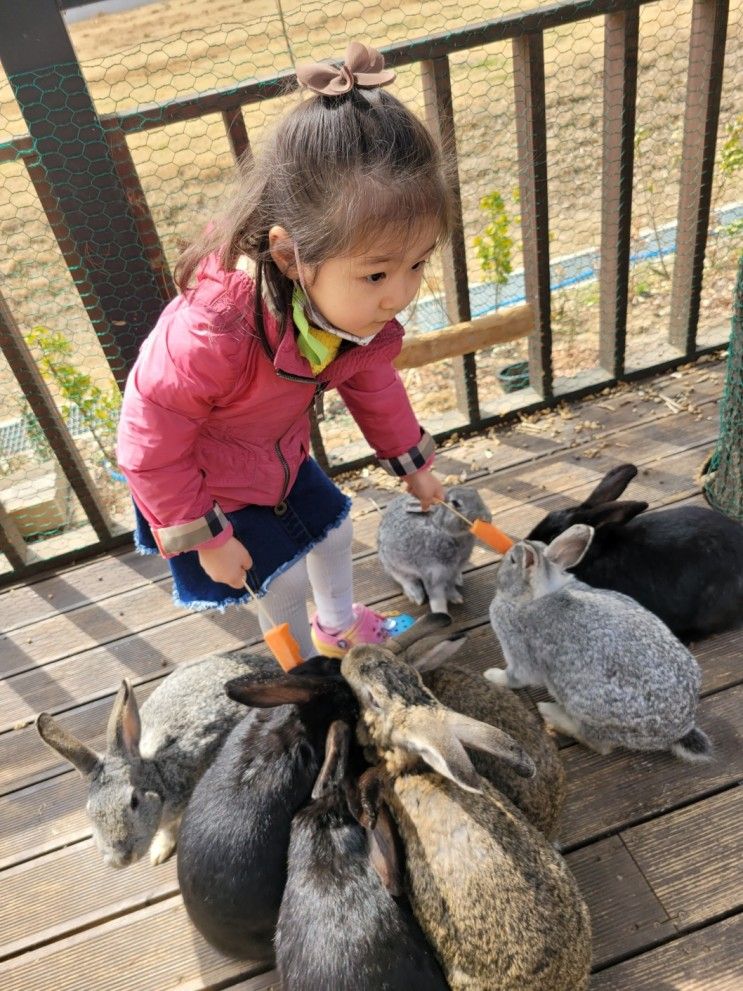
<point x="137" y="59"/>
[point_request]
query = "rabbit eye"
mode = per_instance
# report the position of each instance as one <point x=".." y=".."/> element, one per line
<point x="456" y="503"/>
<point x="134" y="801"/>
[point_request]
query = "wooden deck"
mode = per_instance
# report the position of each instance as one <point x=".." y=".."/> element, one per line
<point x="657" y="846"/>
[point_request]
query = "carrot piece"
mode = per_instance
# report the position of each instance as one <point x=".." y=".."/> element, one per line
<point x="491" y="536"/>
<point x="283" y="646"/>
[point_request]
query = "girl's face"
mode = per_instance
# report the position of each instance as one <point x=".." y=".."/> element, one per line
<point x="362" y="292"/>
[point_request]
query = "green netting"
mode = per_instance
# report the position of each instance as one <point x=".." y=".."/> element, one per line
<point x="724" y="485"/>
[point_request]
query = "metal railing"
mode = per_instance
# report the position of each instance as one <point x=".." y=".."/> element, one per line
<point x="38" y="57"/>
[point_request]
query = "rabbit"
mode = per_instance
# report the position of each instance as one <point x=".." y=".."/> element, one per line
<point x="234" y="836"/>
<point x="540" y="797"/>
<point x="426" y="552"/>
<point x="342" y="923"/>
<point x="139" y="788"/>
<point x="494" y="898"/>
<point x="685" y="563"/>
<point x="617" y="673"/>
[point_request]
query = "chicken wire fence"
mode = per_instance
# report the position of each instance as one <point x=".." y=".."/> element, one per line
<point x="724" y="482"/>
<point x="114" y="155"/>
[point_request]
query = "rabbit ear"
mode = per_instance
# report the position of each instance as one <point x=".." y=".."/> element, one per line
<point x="413" y="505"/>
<point x="568" y="549"/>
<point x="429" y="654"/>
<point x="124" y="727"/>
<point x="483" y="736"/>
<point x="612" y="512"/>
<point x="384" y="855"/>
<point x="83" y="758"/>
<point x="435" y="743"/>
<point x="368" y="808"/>
<point x="612" y="485"/>
<point x="424" y="627"/>
<point x="282" y="691"/>
<point x="335" y="765"/>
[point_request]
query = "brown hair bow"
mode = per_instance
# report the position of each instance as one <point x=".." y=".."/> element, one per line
<point x="363" y="66"/>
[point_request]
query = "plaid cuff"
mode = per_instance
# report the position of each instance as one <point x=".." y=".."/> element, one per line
<point x="413" y="460"/>
<point x="187" y="536"/>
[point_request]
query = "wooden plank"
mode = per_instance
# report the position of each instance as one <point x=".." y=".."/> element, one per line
<point x="620" y="88"/>
<point x="93" y="581"/>
<point x="40" y="904"/>
<point x="625" y="913"/>
<point x="153" y="949"/>
<point x="439" y="115"/>
<point x="693" y="858"/>
<point x="608" y="793"/>
<point x="531" y="139"/>
<point x="93" y="626"/>
<point x="41" y="818"/>
<point x="708" y="960"/>
<point x="92" y="674"/>
<point x="464" y="338"/>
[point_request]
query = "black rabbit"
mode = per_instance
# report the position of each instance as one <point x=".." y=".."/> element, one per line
<point x="685" y="564"/>
<point x="340" y="924"/>
<point x="234" y="837"/>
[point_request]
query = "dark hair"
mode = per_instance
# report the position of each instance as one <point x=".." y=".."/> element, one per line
<point x="334" y="172"/>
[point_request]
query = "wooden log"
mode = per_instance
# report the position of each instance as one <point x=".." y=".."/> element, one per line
<point x="463" y="338"/>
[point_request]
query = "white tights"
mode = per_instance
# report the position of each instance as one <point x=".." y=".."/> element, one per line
<point x="328" y="569"/>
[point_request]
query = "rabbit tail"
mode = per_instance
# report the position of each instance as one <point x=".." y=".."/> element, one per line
<point x="693" y="746"/>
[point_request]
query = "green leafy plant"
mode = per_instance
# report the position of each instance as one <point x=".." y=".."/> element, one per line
<point x="98" y="408"/>
<point x="494" y="246"/>
<point x="36" y="437"/>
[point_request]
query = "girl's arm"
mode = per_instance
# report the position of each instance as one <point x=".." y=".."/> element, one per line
<point x="183" y="369"/>
<point x="377" y="400"/>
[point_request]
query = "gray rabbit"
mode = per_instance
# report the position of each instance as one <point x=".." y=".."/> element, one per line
<point x="139" y="788"/>
<point x="426" y="552"/>
<point x="620" y="678"/>
<point x="496" y="901"/>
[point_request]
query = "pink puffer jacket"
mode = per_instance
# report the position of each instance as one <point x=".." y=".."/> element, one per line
<point x="208" y="418"/>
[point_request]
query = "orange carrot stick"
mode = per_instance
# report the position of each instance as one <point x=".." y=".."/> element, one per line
<point x="492" y="536"/>
<point x="487" y="532"/>
<point x="279" y="639"/>
<point x="283" y="646"/>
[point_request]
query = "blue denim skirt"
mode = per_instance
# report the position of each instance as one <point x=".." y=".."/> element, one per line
<point x="276" y="537"/>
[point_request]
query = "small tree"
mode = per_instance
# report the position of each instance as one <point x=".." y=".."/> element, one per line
<point x="98" y="409"/>
<point x="495" y="245"/>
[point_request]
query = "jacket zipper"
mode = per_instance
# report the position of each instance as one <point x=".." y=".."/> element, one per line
<point x="287" y="473"/>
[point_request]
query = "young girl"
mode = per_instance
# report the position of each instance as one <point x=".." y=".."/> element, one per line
<point x="294" y="291"/>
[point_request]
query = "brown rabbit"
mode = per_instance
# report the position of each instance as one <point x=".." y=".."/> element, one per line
<point x="540" y="797"/>
<point x="496" y="901"/>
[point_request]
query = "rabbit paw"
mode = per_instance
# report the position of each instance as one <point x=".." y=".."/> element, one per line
<point x="413" y="589"/>
<point x="455" y="596"/>
<point x="498" y="676"/>
<point x="163" y="845"/>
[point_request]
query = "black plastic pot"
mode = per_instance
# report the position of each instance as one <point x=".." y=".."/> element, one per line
<point x="514" y="377"/>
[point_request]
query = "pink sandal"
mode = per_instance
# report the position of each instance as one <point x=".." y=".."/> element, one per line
<point x="368" y="627"/>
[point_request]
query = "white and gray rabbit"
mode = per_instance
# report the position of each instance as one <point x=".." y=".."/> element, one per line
<point x="426" y="552"/>
<point x="620" y="678"/>
<point x="139" y="787"/>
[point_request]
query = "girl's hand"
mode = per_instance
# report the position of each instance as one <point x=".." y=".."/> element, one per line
<point x="426" y="487"/>
<point x="227" y="564"/>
